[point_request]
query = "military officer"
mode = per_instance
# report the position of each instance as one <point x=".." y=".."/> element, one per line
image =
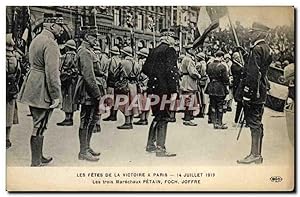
<point x="237" y="73"/>
<point x="41" y="89"/>
<point x="253" y="89"/>
<point x="113" y="63"/>
<point x="142" y="88"/>
<point x="68" y="76"/>
<point x="13" y="73"/>
<point x="101" y="72"/>
<point x="188" y="84"/>
<point x="161" y="68"/>
<point x="216" y="89"/>
<point x="88" y="92"/>
<point x="130" y="69"/>
<point x="202" y="83"/>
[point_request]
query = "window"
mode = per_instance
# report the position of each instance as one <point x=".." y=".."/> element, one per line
<point x="117" y="17"/>
<point x="139" y="21"/>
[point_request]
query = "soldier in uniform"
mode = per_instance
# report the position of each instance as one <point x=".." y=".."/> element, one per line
<point x="41" y="89"/>
<point x="130" y="70"/>
<point x="101" y="72"/>
<point x="13" y="73"/>
<point x="229" y="97"/>
<point x="189" y="84"/>
<point x="142" y="87"/>
<point x="68" y="77"/>
<point x="161" y="68"/>
<point x="237" y="73"/>
<point x="113" y="63"/>
<point x="253" y="89"/>
<point x="202" y="83"/>
<point x="216" y="89"/>
<point x="88" y="92"/>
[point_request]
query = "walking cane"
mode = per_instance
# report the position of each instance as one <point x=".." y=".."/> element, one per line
<point x="242" y="123"/>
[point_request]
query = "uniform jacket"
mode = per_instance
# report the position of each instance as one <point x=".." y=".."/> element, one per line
<point x="101" y="71"/>
<point x="190" y="75"/>
<point x="42" y="84"/>
<point x="87" y="89"/>
<point x="69" y="68"/>
<point x="237" y="73"/>
<point x="161" y="68"/>
<point x="113" y="63"/>
<point x="142" y="78"/>
<point x="255" y="84"/>
<point x="218" y="79"/>
<point x="131" y="68"/>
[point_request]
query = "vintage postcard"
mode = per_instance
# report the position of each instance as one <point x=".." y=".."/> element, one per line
<point x="150" y="98"/>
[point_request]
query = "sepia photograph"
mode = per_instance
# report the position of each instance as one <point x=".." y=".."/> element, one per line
<point x="150" y="98"/>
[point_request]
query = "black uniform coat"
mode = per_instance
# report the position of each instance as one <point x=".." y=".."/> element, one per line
<point x="255" y="84"/>
<point x="219" y="78"/>
<point x="237" y="74"/>
<point x="162" y="71"/>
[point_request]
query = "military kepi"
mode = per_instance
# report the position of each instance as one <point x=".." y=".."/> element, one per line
<point x="169" y="32"/>
<point x="91" y="30"/>
<point x="54" y="18"/>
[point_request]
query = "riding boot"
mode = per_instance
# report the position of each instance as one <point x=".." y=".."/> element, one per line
<point x="35" y="152"/>
<point x="127" y="124"/>
<point x="84" y="154"/>
<point x="254" y="156"/>
<point x="68" y="121"/>
<point x="89" y="149"/>
<point x="44" y="160"/>
<point x="161" y="140"/>
<point x="152" y="137"/>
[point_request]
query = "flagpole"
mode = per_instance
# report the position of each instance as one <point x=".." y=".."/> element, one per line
<point x="236" y="38"/>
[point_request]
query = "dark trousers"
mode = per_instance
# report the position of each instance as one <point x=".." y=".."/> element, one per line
<point x="89" y="116"/>
<point x="157" y="133"/>
<point x="253" y="116"/>
<point x="238" y="111"/>
<point x="40" y="118"/>
<point x="216" y="104"/>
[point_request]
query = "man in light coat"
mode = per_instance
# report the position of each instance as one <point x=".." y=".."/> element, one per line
<point x="41" y="89"/>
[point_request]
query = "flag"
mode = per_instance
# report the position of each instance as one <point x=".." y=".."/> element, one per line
<point x="208" y="20"/>
<point x="21" y="28"/>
